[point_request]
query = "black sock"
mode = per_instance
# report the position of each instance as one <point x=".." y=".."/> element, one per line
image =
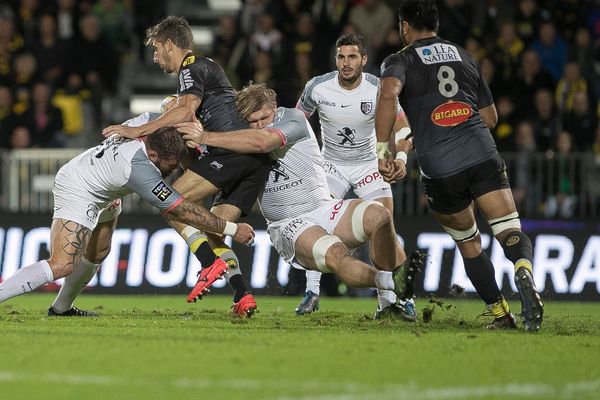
<point x="205" y="255"/>
<point x="517" y="246"/>
<point x="239" y="288"/>
<point x="481" y="273"/>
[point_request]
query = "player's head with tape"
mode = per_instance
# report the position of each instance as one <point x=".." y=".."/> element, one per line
<point x="418" y="17"/>
<point x="171" y="39"/>
<point x="257" y="104"/>
<point x="166" y="149"/>
<point x="350" y="57"/>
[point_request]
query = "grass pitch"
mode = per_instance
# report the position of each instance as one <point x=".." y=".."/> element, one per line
<point x="160" y="347"/>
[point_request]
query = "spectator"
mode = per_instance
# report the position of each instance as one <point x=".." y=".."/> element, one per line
<point x="251" y="9"/>
<point x="20" y="138"/>
<point x="571" y="83"/>
<point x="488" y="72"/>
<point x="551" y="48"/>
<point x="546" y="120"/>
<point x="457" y="21"/>
<point x="505" y="127"/>
<point x="568" y="15"/>
<point x="27" y="13"/>
<point x="330" y="17"/>
<point x="374" y="20"/>
<point x="8" y="119"/>
<point x="508" y="50"/>
<point x="527" y="19"/>
<point x="563" y="198"/>
<point x="50" y="52"/>
<point x="526" y="192"/>
<point x="531" y="78"/>
<point x="581" y="121"/>
<point x="286" y="13"/>
<point x="587" y="56"/>
<point x="115" y="23"/>
<point x="306" y="41"/>
<point x="474" y="47"/>
<point x="10" y="39"/>
<point x="43" y="120"/>
<point x="24" y="74"/>
<point x="266" y="38"/>
<point x="67" y="18"/>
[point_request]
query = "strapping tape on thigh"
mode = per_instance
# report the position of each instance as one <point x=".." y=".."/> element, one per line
<point x="503" y="223"/>
<point x="320" y="249"/>
<point x="357" y="220"/>
<point x="462" y="236"/>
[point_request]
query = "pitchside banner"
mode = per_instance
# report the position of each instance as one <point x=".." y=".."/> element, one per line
<point x="149" y="257"/>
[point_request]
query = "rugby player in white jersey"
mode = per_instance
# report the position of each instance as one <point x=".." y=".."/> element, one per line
<point x="307" y="227"/>
<point x="345" y="102"/>
<point x="87" y="192"/>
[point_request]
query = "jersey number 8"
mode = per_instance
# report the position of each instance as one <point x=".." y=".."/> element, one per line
<point x="446" y="76"/>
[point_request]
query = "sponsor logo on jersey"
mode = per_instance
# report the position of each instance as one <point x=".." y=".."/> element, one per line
<point x="451" y="113"/>
<point x="188" y="60"/>
<point x="347" y="135"/>
<point x="216" y="165"/>
<point x="346" y="105"/>
<point x="438" y="53"/>
<point x="326" y="103"/>
<point x="336" y="209"/>
<point x="92" y="212"/>
<point x="369" y="179"/>
<point x="162" y="191"/>
<point x="366" y="107"/>
<point x="278" y="171"/>
<point x="185" y="80"/>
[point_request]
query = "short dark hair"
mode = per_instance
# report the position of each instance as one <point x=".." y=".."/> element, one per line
<point x="421" y="15"/>
<point x="168" y="143"/>
<point x="175" y="28"/>
<point x="352" y="39"/>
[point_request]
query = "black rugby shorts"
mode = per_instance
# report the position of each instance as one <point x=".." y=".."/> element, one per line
<point x="240" y="177"/>
<point x="454" y="193"/>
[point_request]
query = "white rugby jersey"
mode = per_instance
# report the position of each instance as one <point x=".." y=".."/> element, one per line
<point x="118" y="167"/>
<point x="297" y="183"/>
<point x="347" y="116"/>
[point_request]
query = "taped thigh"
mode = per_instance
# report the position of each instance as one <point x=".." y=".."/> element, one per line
<point x="357" y="220"/>
<point x="503" y="223"/>
<point x="320" y="249"/>
<point x="462" y="236"/>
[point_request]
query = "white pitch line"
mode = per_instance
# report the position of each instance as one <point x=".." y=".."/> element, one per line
<point x="340" y="390"/>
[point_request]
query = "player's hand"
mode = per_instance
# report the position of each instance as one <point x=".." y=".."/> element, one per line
<point x="244" y="234"/>
<point x="121" y="131"/>
<point x="192" y="132"/>
<point x="385" y="167"/>
<point x="398" y="172"/>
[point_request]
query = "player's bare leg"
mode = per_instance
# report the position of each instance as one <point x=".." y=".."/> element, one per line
<point x="499" y="209"/>
<point x="68" y="241"/>
<point x="478" y="266"/>
<point x="97" y="250"/>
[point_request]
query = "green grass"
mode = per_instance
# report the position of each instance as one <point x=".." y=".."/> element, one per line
<point x="159" y="347"/>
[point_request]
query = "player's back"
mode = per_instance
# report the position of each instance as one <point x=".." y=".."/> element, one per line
<point x="442" y="93"/>
<point x="297" y="182"/>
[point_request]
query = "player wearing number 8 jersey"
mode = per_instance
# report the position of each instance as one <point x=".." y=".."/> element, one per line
<point x="451" y="111"/>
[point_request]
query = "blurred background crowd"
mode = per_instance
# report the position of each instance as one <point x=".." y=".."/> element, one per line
<point x="70" y="67"/>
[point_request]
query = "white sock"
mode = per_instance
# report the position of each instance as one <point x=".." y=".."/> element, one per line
<point x="385" y="298"/>
<point x="26" y="279"/>
<point x="74" y="284"/>
<point x="383" y="280"/>
<point x="313" y="281"/>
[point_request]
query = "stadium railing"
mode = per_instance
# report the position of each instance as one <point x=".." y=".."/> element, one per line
<point x="541" y="183"/>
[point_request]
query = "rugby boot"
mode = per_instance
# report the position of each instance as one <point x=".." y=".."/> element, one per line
<point x="403" y="310"/>
<point x="404" y="275"/>
<point x="503" y="318"/>
<point x="309" y="303"/>
<point x="246" y="307"/>
<point x="206" y="277"/>
<point x="532" y="308"/>
<point x="72" y="312"/>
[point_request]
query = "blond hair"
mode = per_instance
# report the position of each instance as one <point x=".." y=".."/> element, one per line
<point x="253" y="97"/>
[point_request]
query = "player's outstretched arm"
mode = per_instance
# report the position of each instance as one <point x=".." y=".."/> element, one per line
<point x="200" y="218"/>
<point x="489" y="116"/>
<point x="243" y="141"/>
<point x="385" y="114"/>
<point x="183" y="110"/>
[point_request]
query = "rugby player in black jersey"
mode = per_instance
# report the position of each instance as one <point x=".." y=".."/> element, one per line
<point x="451" y="111"/>
<point x="205" y="93"/>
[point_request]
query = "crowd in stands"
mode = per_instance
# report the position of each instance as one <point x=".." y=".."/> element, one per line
<point x="541" y="60"/>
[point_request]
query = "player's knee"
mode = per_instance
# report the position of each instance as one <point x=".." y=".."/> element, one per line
<point x="367" y="219"/>
<point x="99" y="255"/>
<point x="328" y="251"/>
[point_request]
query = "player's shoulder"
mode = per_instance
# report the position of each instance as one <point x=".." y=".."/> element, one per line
<point x="288" y="114"/>
<point x="372" y="79"/>
<point x="320" y="79"/>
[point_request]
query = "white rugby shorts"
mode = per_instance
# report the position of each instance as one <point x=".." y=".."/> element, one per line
<point x="286" y="232"/>
<point x="363" y="178"/>
<point x="77" y="205"/>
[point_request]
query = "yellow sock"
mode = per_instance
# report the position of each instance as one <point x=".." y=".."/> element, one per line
<point x="499" y="308"/>
<point x="524" y="263"/>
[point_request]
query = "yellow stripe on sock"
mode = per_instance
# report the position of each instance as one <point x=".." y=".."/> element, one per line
<point x="524" y="263"/>
<point x="196" y="243"/>
<point x="219" y="251"/>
